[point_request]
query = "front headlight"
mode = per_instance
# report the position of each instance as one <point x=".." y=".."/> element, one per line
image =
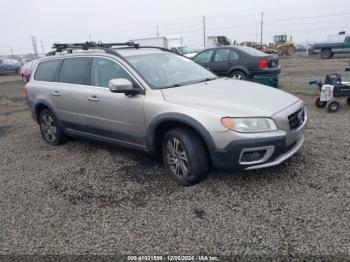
<point x="249" y="125"/>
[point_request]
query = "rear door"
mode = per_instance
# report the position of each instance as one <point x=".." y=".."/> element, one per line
<point x="70" y="94"/>
<point x="347" y="44"/>
<point x="115" y="116"/>
<point x="224" y="59"/>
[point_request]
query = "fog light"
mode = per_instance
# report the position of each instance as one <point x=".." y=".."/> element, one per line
<point x="253" y="156"/>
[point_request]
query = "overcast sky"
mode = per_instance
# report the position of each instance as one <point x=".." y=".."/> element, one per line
<point x="114" y="20"/>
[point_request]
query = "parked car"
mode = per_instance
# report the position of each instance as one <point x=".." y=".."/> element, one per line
<point x="328" y="49"/>
<point x="7" y="67"/>
<point x="300" y="48"/>
<point x="184" y="50"/>
<point x="166" y="105"/>
<point x="239" y="62"/>
<point x="26" y="70"/>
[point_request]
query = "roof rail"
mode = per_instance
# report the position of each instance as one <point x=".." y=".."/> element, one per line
<point x="59" y="47"/>
<point x="107" y="47"/>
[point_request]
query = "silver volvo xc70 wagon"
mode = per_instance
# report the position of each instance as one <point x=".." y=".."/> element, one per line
<point x="154" y="100"/>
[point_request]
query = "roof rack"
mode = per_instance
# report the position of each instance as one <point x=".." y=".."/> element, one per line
<point x="107" y="47"/>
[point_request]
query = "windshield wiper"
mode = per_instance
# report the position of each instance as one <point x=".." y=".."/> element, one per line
<point x="190" y="82"/>
<point x="205" y="80"/>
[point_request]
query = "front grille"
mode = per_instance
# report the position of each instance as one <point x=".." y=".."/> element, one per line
<point x="296" y="119"/>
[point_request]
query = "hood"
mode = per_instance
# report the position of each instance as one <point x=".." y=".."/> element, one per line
<point x="229" y="97"/>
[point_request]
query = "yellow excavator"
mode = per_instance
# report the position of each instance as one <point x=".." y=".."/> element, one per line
<point x="282" y="45"/>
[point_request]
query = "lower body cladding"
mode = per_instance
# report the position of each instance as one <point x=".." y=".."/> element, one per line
<point x="255" y="151"/>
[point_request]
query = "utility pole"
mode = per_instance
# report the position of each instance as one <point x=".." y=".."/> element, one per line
<point x="157" y="27"/>
<point x="42" y="47"/>
<point x="204" y="43"/>
<point x="35" y="49"/>
<point x="90" y="38"/>
<point x="261" y="27"/>
<point x="11" y="51"/>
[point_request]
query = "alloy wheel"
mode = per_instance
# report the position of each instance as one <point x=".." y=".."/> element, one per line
<point x="177" y="157"/>
<point x="49" y="128"/>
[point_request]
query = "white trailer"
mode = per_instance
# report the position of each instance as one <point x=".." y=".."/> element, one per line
<point x="171" y="42"/>
<point x="164" y="41"/>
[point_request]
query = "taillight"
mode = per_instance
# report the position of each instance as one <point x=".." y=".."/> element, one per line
<point x="25" y="91"/>
<point x="263" y="63"/>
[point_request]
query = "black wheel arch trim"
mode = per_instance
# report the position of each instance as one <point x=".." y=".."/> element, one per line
<point x="238" y="68"/>
<point x="183" y="119"/>
<point x="44" y="103"/>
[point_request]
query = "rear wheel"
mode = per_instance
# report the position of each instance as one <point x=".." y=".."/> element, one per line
<point x="320" y="103"/>
<point x="290" y="51"/>
<point x="184" y="156"/>
<point x="326" y="54"/>
<point x="50" y="130"/>
<point x="348" y="100"/>
<point x="239" y="75"/>
<point x="333" y="106"/>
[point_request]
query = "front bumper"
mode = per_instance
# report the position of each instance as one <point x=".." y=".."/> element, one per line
<point x="230" y="158"/>
<point x="282" y="157"/>
<point x="274" y="147"/>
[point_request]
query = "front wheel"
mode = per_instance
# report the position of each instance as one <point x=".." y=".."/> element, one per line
<point x="348" y="101"/>
<point x="333" y="106"/>
<point x="319" y="103"/>
<point x="184" y="156"/>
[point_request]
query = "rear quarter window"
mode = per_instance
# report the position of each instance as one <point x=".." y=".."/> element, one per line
<point x="46" y="71"/>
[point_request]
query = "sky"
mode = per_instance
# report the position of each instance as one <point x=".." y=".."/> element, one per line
<point x="53" y="21"/>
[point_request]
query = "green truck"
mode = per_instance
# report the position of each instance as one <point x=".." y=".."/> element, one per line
<point x="328" y="49"/>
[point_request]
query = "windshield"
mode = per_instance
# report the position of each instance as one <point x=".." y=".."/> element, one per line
<point x="165" y="70"/>
<point x="185" y="49"/>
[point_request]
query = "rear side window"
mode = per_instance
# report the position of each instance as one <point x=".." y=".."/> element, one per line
<point x="222" y="55"/>
<point x="75" y="71"/>
<point x="46" y="71"/>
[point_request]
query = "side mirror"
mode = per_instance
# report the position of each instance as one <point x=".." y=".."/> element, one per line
<point x="122" y="85"/>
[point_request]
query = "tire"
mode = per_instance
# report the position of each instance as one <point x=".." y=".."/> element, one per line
<point x="326" y="53"/>
<point x="348" y="100"/>
<point x="319" y="103"/>
<point x="239" y="75"/>
<point x="333" y="106"/>
<point x="50" y="129"/>
<point x="290" y="51"/>
<point x="184" y="156"/>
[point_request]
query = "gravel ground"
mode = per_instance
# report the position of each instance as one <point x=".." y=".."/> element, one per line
<point x="88" y="198"/>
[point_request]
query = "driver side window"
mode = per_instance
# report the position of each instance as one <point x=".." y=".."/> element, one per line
<point x="103" y="70"/>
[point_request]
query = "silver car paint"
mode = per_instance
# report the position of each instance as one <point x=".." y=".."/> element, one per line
<point x="205" y="103"/>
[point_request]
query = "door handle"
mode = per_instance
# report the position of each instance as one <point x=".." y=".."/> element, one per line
<point x="56" y="93"/>
<point x="93" y="99"/>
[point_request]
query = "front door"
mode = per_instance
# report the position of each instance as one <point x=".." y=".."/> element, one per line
<point x="114" y="116"/>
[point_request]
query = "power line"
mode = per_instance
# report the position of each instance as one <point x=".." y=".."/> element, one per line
<point x="35" y="49"/>
<point x="261" y="27"/>
<point x="204" y="33"/>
